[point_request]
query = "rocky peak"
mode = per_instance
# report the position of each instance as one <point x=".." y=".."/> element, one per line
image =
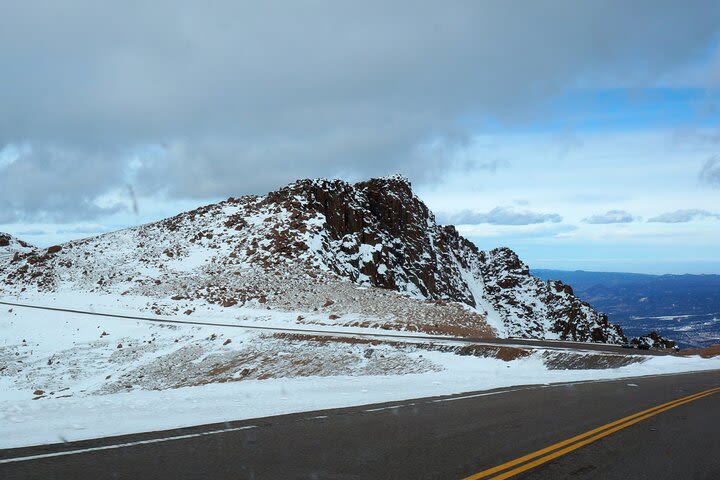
<point x="377" y="232"/>
<point x="386" y="202"/>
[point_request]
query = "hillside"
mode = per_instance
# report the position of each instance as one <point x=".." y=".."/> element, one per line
<point x="10" y="245"/>
<point x="325" y="246"/>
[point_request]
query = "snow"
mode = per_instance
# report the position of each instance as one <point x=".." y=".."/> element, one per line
<point x="85" y="404"/>
<point x="483" y="306"/>
<point x="366" y="251"/>
<point x="195" y="259"/>
<point x="9" y="245"/>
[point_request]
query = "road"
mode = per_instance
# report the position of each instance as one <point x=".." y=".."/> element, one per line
<point x="515" y="342"/>
<point x="565" y="345"/>
<point x="450" y="437"/>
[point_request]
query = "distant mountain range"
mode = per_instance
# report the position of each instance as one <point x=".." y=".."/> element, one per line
<point x="685" y="308"/>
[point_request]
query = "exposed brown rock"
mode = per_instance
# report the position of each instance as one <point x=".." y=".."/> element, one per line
<point x="706" y="352"/>
<point x="508" y="282"/>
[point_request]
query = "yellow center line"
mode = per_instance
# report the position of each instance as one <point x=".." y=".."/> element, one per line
<point x="594" y="434"/>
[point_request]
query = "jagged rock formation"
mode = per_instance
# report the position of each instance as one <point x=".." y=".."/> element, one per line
<point x="653" y="340"/>
<point x="375" y="233"/>
<point x="379" y="232"/>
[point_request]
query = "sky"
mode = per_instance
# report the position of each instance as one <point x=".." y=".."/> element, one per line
<point x="584" y="135"/>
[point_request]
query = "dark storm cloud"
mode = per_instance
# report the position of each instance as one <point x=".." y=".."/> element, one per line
<point x="611" y="216"/>
<point x="683" y="216"/>
<point x="500" y="216"/>
<point x="240" y="97"/>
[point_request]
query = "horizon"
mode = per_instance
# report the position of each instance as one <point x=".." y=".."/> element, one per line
<point x="595" y="148"/>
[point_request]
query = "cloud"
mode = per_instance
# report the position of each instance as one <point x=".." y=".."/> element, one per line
<point x="491" y="166"/>
<point x="611" y="216"/>
<point x="683" y="216"/>
<point x="84" y="229"/>
<point x="57" y="185"/>
<point x="33" y="232"/>
<point x="248" y="96"/>
<point x="507" y="232"/>
<point x="501" y="216"/>
<point x="10" y="153"/>
<point x="710" y="173"/>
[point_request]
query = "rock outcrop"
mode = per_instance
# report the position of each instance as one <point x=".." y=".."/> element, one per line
<point x="379" y="233"/>
<point x="654" y="340"/>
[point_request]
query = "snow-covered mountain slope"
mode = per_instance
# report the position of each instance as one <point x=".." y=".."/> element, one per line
<point x="10" y="245"/>
<point x="323" y="245"/>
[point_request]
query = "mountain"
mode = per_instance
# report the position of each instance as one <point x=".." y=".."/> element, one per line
<point x="682" y="307"/>
<point x="314" y="239"/>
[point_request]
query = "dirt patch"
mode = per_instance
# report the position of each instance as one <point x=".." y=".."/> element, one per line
<point x="707" y="352"/>
<point x="510" y="353"/>
<point x="328" y="339"/>
<point x="272" y="356"/>
<point x="486" y="351"/>
<point x="449" y="330"/>
<point x="587" y="361"/>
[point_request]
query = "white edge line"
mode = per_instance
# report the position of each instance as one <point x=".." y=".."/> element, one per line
<point x="391" y="407"/>
<point x="452" y="399"/>
<point x="566" y="384"/>
<point x="122" y="445"/>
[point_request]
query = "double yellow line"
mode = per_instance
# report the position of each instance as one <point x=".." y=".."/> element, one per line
<point x="559" y="449"/>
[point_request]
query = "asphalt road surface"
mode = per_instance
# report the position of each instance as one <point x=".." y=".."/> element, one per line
<point x="562" y="344"/>
<point x="642" y="428"/>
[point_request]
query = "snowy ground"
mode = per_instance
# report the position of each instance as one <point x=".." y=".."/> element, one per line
<point x="69" y="377"/>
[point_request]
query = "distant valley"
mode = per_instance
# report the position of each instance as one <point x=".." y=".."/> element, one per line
<point x="685" y="308"/>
